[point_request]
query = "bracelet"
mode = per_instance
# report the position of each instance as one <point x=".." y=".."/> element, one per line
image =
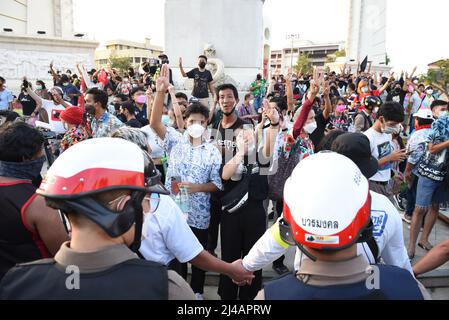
<point x="275" y="125"/>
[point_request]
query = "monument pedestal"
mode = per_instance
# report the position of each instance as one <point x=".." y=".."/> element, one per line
<point x="31" y="56"/>
<point x="232" y="29"/>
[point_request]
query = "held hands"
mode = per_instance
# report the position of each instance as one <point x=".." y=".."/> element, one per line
<point x="240" y="276"/>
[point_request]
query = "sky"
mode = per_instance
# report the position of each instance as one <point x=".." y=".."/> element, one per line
<point x="416" y="30"/>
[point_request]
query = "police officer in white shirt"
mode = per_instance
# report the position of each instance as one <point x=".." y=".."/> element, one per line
<point x="388" y="234"/>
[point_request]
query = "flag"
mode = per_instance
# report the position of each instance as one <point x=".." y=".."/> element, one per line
<point x="364" y="64"/>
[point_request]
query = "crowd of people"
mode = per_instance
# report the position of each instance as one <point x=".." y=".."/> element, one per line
<point x="146" y="179"/>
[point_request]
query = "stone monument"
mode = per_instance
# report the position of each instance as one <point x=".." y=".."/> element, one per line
<point x="34" y="33"/>
<point x="229" y="32"/>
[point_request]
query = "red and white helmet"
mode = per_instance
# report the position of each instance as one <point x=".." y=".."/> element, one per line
<point x="100" y="165"/>
<point x="327" y="209"/>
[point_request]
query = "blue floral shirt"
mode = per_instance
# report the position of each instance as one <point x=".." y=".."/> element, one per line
<point x="105" y="126"/>
<point x="198" y="165"/>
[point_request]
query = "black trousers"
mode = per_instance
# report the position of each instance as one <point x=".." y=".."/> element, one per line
<point x="215" y="218"/>
<point x="198" y="275"/>
<point x="239" y="232"/>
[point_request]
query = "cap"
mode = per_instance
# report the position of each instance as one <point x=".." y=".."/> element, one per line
<point x="357" y="147"/>
<point x="424" y="114"/>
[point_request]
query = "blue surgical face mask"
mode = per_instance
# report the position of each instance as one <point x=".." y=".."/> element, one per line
<point x="166" y="120"/>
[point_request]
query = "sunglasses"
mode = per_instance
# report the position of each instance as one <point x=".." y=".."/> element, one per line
<point x="153" y="201"/>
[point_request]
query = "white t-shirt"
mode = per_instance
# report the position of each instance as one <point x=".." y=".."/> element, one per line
<point x="380" y="148"/>
<point x="53" y="112"/>
<point x="388" y="234"/>
<point x="156" y="144"/>
<point x="167" y="235"/>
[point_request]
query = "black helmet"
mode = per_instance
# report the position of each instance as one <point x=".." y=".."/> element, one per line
<point x="372" y="102"/>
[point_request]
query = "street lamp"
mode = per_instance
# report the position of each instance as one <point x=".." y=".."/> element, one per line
<point x="292" y="37"/>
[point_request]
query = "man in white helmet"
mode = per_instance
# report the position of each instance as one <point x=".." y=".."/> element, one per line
<point x="102" y="198"/>
<point x="327" y="232"/>
<point x="388" y="241"/>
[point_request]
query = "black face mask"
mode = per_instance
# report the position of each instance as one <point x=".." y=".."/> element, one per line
<point x="165" y="62"/>
<point x="229" y="114"/>
<point x="202" y="65"/>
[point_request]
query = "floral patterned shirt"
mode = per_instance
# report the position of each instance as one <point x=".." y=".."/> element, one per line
<point x="198" y="165"/>
<point x="105" y="126"/>
<point x="74" y="136"/>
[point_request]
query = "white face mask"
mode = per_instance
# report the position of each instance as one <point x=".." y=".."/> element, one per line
<point x="376" y="110"/>
<point x="429" y="92"/>
<point x="196" y="131"/>
<point x="311" y="127"/>
<point x="392" y="130"/>
<point x="442" y="114"/>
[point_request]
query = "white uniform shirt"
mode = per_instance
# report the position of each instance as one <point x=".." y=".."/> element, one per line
<point x="167" y="235"/>
<point x="388" y="234"/>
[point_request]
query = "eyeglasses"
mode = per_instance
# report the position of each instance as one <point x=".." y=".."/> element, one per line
<point x="153" y="201"/>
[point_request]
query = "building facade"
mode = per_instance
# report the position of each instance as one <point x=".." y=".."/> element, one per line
<point x="35" y="33"/>
<point x="138" y="52"/>
<point x="283" y="59"/>
<point x="367" y="31"/>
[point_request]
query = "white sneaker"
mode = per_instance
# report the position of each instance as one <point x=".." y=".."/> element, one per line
<point x="199" y="296"/>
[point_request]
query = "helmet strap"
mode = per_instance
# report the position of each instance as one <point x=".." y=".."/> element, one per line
<point x="138" y="214"/>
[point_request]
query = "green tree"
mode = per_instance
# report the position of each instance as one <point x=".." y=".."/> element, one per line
<point x="303" y="64"/>
<point x="120" y="63"/>
<point x="438" y="76"/>
<point x="341" y="53"/>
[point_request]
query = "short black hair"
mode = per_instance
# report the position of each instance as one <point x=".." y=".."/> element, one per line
<point x="100" y="96"/>
<point x="42" y="83"/>
<point x="228" y="86"/>
<point x="181" y="95"/>
<point x="424" y="122"/>
<point x="281" y="103"/>
<point x="2" y="79"/>
<point x="64" y="78"/>
<point x="197" y="108"/>
<point x="129" y="106"/>
<point x="122" y="97"/>
<point x="248" y="95"/>
<point x="352" y="86"/>
<point x="9" y="115"/>
<point x="19" y="141"/>
<point x="438" y="103"/>
<point x="392" y="111"/>
<point x="328" y="140"/>
<point x="135" y="90"/>
<point x="202" y="56"/>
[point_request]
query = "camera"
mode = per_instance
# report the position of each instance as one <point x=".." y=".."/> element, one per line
<point x="25" y="84"/>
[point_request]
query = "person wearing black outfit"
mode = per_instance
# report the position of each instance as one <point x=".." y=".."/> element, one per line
<point x="203" y="81"/>
<point x="127" y="111"/>
<point x="29" y="230"/>
<point x="241" y="229"/>
<point x="28" y="103"/>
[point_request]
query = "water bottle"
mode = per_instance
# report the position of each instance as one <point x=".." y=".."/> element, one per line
<point x="184" y="201"/>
